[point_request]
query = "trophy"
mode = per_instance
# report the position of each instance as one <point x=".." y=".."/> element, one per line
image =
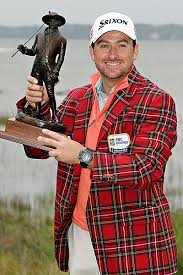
<point x="49" y="51"/>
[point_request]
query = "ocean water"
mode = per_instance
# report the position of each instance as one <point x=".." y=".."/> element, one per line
<point x="161" y="61"/>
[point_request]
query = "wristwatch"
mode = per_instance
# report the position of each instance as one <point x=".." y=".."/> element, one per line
<point x="85" y="157"/>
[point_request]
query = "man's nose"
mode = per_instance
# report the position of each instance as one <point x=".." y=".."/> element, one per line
<point x="113" y="52"/>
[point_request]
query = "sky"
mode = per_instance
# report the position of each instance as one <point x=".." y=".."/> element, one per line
<point x="24" y="12"/>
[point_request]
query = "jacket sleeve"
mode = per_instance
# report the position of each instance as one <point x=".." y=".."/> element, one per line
<point x="150" y="148"/>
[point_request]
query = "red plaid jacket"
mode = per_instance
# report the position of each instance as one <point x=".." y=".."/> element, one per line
<point x="127" y="212"/>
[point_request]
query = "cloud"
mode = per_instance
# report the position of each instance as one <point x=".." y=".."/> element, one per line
<point x="142" y="11"/>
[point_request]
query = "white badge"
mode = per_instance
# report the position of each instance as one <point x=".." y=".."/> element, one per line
<point x="118" y="143"/>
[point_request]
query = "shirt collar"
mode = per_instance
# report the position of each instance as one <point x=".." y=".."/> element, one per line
<point x="98" y="84"/>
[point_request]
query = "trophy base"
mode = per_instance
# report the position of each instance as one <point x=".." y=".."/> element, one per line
<point x="42" y="123"/>
<point x="23" y="133"/>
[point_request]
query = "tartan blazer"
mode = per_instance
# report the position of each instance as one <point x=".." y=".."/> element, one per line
<point x="127" y="212"/>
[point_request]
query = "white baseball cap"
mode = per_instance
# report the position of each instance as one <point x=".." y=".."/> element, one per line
<point x="112" y="21"/>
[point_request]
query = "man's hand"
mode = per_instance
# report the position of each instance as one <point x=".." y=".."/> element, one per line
<point x="66" y="150"/>
<point x="35" y="93"/>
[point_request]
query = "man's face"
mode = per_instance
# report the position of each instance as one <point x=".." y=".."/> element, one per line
<point x="113" y="54"/>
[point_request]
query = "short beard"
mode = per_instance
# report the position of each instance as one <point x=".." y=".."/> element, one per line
<point x="121" y="74"/>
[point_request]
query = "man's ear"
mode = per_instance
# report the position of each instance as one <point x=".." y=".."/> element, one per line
<point x="136" y="51"/>
<point x="91" y="53"/>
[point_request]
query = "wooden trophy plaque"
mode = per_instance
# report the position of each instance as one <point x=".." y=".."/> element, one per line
<point x="23" y="133"/>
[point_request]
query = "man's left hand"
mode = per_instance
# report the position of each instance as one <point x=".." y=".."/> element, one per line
<point x="65" y="149"/>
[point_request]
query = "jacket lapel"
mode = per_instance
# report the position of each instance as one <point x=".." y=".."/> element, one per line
<point x="121" y="100"/>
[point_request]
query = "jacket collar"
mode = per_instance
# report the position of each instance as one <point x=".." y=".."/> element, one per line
<point x="121" y="100"/>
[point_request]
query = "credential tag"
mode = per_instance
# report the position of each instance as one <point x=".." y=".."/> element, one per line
<point x="118" y="143"/>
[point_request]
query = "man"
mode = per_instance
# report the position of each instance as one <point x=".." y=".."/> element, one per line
<point x="111" y="214"/>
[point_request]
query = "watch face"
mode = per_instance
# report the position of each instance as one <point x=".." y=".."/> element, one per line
<point x="86" y="157"/>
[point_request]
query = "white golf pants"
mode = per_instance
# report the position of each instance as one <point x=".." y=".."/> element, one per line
<point x="82" y="259"/>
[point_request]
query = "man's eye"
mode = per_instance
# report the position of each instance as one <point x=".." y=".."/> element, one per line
<point x="105" y="46"/>
<point x="123" y="45"/>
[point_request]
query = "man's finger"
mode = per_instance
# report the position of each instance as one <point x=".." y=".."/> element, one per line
<point x="34" y="99"/>
<point x="54" y="135"/>
<point x="54" y="153"/>
<point x="35" y="93"/>
<point x="32" y="79"/>
<point x="35" y="87"/>
<point x="48" y="142"/>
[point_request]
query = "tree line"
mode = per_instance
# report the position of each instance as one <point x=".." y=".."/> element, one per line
<point x="77" y="31"/>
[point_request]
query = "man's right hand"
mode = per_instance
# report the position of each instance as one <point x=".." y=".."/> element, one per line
<point x="35" y="93"/>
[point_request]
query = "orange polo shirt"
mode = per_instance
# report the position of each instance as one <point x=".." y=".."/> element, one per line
<point x="94" y="126"/>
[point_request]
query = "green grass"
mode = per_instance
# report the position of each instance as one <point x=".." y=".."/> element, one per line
<point x="3" y="120"/>
<point x="177" y="218"/>
<point x="26" y="241"/>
